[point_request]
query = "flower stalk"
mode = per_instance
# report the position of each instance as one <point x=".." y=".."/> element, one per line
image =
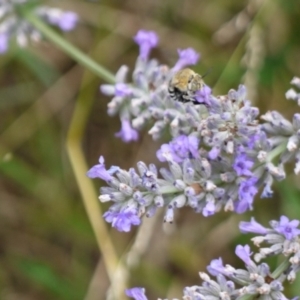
<point x="68" y="48"/>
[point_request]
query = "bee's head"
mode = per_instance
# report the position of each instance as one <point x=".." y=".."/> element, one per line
<point x="196" y="83"/>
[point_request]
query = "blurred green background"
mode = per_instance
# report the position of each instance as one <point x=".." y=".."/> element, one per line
<point x="48" y="248"/>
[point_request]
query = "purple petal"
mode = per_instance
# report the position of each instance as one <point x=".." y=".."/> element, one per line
<point x="127" y="133"/>
<point x="203" y="95"/>
<point x="186" y="57"/>
<point x="68" y="21"/>
<point x="164" y="152"/>
<point x="243" y="252"/>
<point x="253" y="227"/>
<point x="122" y="221"/>
<point x="209" y="209"/>
<point x="213" y="153"/>
<point x="122" y="90"/>
<point x="146" y="40"/>
<point x="242" y="165"/>
<point x="136" y="293"/>
<point x="288" y="228"/>
<point x="247" y="191"/>
<point x="216" y="267"/>
<point x="3" y="42"/>
<point x="99" y="171"/>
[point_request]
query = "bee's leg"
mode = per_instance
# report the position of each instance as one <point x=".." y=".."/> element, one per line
<point x="195" y="102"/>
<point x="185" y="98"/>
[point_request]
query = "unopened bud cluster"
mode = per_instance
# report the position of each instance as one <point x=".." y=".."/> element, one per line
<point x="14" y="25"/>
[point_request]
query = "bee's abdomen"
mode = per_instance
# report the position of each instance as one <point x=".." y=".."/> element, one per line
<point x="178" y="95"/>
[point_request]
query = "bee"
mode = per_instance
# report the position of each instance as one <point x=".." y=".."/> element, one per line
<point x="184" y="85"/>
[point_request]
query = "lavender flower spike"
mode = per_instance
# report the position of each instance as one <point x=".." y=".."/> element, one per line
<point x="283" y="238"/>
<point x="219" y="154"/>
<point x="14" y="24"/>
<point x="254" y="281"/>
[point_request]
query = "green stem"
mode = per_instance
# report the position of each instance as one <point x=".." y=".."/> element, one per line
<point x="68" y="48"/>
<point x="272" y="154"/>
<point x="247" y="297"/>
<point x="283" y="267"/>
<point x="278" y="150"/>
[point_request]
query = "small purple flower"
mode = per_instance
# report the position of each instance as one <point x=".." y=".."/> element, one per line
<point x="209" y="209"/>
<point x="67" y="21"/>
<point x="288" y="228"/>
<point x="267" y="191"/>
<point x="165" y="153"/>
<point x="180" y="148"/>
<point x="265" y="270"/>
<point x="99" y="171"/>
<point x="3" y="42"/>
<point x="123" y="220"/>
<point x="216" y="267"/>
<point x="127" y="133"/>
<point x="243" y="252"/>
<point x="242" y="165"/>
<point x="122" y="90"/>
<point x="203" y="95"/>
<point x="213" y="153"/>
<point x="136" y="293"/>
<point x="186" y="146"/>
<point x="253" y="227"/>
<point x="254" y="138"/>
<point x="146" y="40"/>
<point x="186" y="57"/>
<point x="247" y="191"/>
